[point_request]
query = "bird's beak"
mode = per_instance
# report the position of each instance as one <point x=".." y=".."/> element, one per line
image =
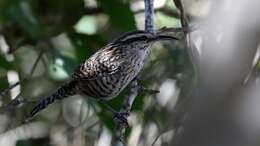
<point x="163" y="38"/>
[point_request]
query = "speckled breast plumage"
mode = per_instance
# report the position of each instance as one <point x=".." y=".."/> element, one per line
<point x="109" y="71"/>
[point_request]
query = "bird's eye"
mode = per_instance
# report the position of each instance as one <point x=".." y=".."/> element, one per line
<point x="145" y="38"/>
<point x="113" y="66"/>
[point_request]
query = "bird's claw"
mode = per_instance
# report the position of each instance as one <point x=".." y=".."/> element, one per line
<point x="148" y="91"/>
<point x="121" y="118"/>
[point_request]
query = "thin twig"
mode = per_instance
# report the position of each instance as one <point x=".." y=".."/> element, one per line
<point x="36" y="63"/>
<point x="3" y="93"/>
<point x="18" y="100"/>
<point x="126" y="108"/>
<point x="182" y="104"/>
<point x="184" y="29"/>
<point x="159" y="135"/>
<point x="179" y="5"/>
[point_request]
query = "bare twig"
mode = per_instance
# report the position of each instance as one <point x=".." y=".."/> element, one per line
<point x="18" y="100"/>
<point x="126" y="108"/>
<point x="179" y="5"/>
<point x="3" y="93"/>
<point x="159" y="135"/>
<point x="36" y="63"/>
<point x="180" y="109"/>
<point x="133" y="86"/>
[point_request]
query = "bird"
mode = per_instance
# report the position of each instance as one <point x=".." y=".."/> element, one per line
<point x="108" y="71"/>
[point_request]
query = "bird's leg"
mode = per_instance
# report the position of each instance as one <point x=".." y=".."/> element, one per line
<point x="144" y="89"/>
<point x="148" y="91"/>
<point x="120" y="116"/>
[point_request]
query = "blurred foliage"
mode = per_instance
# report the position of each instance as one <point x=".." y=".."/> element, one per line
<point x="68" y="32"/>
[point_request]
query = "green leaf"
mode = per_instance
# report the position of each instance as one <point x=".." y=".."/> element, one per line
<point x="57" y="15"/>
<point x="85" y="45"/>
<point x="119" y="13"/>
<point x="21" y="13"/>
<point x="106" y="118"/>
<point x="61" y="68"/>
<point x="4" y="63"/>
<point x="86" y="25"/>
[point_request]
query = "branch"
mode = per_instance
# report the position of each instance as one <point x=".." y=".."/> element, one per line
<point x="149" y="16"/>
<point x="180" y="110"/>
<point x="27" y="131"/>
<point x="5" y="92"/>
<point x="19" y="100"/>
<point x="133" y="86"/>
<point x="179" y="5"/>
<point x="126" y="108"/>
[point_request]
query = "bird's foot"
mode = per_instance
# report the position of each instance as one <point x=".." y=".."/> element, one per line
<point x="141" y="87"/>
<point x="148" y="91"/>
<point x="121" y="118"/>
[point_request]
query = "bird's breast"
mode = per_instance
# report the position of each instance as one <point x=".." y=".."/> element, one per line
<point x="107" y="87"/>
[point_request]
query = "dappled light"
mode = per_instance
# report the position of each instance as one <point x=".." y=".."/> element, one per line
<point x="70" y="75"/>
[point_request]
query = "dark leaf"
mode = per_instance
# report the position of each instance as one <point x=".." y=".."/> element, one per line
<point x="4" y="63"/>
<point x="119" y="13"/>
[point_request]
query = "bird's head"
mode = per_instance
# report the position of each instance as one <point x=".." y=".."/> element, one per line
<point x="142" y="39"/>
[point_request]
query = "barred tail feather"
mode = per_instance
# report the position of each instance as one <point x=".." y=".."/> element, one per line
<point x="66" y="90"/>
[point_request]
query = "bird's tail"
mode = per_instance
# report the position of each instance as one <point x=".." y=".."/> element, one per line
<point x="67" y="89"/>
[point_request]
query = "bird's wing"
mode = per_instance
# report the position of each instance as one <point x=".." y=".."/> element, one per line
<point x="99" y="65"/>
<point x="92" y="71"/>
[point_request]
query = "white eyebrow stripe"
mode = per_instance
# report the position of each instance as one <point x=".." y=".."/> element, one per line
<point x="133" y="36"/>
